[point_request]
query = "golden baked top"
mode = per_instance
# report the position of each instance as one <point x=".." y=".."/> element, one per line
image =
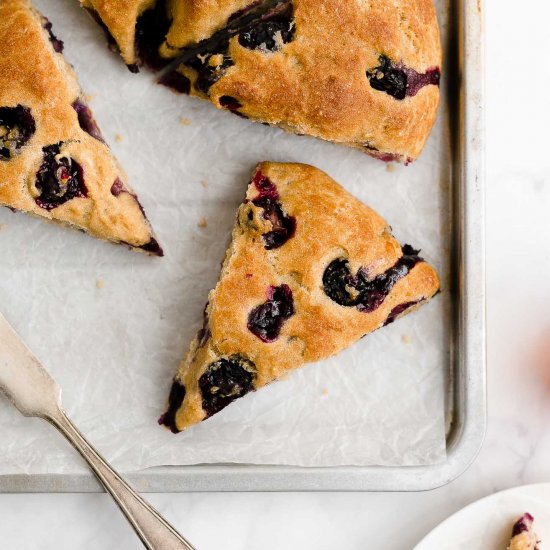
<point x="53" y="160"/>
<point x="309" y="271"/>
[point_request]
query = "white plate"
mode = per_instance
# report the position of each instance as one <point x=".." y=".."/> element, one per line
<point x="487" y="523"/>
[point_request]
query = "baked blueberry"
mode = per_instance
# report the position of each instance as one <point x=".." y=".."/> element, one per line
<point x="16" y="129"/>
<point x="175" y="400"/>
<point x="224" y="381"/>
<point x="86" y="119"/>
<point x="266" y="320"/>
<point x="56" y="43"/>
<point x="59" y="179"/>
<point x="400" y="81"/>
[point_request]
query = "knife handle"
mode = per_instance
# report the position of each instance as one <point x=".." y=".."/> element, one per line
<point x="153" y="530"/>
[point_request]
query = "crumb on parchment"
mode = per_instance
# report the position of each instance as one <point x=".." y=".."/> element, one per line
<point x="324" y="392"/>
<point x="100" y="283"/>
<point x="203" y="222"/>
<point x="89" y="97"/>
<point x="119" y="138"/>
<point x="185" y="121"/>
<point x="2" y="226"/>
<point x="390" y="167"/>
<point x="204" y="183"/>
<point x="405" y="338"/>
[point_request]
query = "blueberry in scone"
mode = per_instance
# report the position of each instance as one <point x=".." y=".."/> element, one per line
<point x="309" y="271"/>
<point x="134" y="28"/>
<point x="523" y="534"/>
<point x="361" y="74"/>
<point x="54" y="162"/>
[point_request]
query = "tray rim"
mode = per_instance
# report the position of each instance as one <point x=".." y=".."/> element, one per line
<point x="469" y="424"/>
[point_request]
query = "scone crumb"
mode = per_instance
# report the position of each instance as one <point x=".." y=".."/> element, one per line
<point x="100" y="283"/>
<point x="119" y="138"/>
<point x="405" y="338"/>
<point x="2" y="226"/>
<point x="324" y="392"/>
<point x="390" y="167"/>
<point x="204" y="183"/>
<point x="203" y="223"/>
<point x="185" y="121"/>
<point x="89" y="97"/>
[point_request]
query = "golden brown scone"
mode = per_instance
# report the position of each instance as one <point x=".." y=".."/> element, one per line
<point x="133" y="27"/>
<point x="362" y="74"/>
<point x="523" y="534"/>
<point x="196" y="20"/>
<point x="309" y="271"/>
<point x="53" y="160"/>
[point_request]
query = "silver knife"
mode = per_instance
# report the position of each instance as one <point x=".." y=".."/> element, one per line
<point x="35" y="393"/>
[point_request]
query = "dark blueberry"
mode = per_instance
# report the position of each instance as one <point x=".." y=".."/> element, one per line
<point x="56" y="43"/>
<point x="266" y="320"/>
<point x="117" y="188"/>
<point x="153" y="247"/>
<point x="176" y="81"/>
<point x="283" y="226"/>
<point x="228" y="102"/>
<point x="398" y="310"/>
<point x="522" y="524"/>
<point x="59" y="179"/>
<point x="175" y="400"/>
<point x="274" y="28"/>
<point x="400" y="81"/>
<point x="16" y="129"/>
<point x="86" y="119"/>
<point x="151" y="29"/>
<point x="211" y="70"/>
<point x="339" y="283"/>
<point x="224" y="381"/>
<point x="360" y="291"/>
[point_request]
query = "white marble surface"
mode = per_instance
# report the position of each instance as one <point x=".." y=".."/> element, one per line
<point x="517" y="446"/>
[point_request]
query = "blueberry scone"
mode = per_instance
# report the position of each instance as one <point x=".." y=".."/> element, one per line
<point x="54" y="162"/>
<point x="361" y="74"/>
<point x="523" y="534"/>
<point x="309" y="271"/>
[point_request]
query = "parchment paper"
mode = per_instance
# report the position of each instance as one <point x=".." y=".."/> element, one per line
<point x="112" y="325"/>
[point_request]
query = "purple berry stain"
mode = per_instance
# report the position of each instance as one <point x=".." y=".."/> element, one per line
<point x="59" y="179"/>
<point x="400" y="81"/>
<point x="86" y="119"/>
<point x="224" y="381"/>
<point x="359" y="291"/>
<point x="266" y="320"/>
<point x="283" y="226"/>
<point x="17" y="126"/>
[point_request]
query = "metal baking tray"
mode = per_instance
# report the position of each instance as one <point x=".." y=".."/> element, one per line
<point x="466" y="400"/>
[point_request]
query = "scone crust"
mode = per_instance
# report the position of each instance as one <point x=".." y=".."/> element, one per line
<point x="32" y="74"/>
<point x="330" y="223"/>
<point x="120" y="17"/>
<point x="317" y="85"/>
<point x="196" y="20"/>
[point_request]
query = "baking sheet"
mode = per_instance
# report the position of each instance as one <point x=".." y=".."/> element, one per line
<point x="111" y="326"/>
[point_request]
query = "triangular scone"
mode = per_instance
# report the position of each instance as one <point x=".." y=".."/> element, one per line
<point x="309" y="271"/>
<point x="523" y="534"/>
<point x="361" y="74"/>
<point x="53" y="160"/>
<point x="135" y="28"/>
